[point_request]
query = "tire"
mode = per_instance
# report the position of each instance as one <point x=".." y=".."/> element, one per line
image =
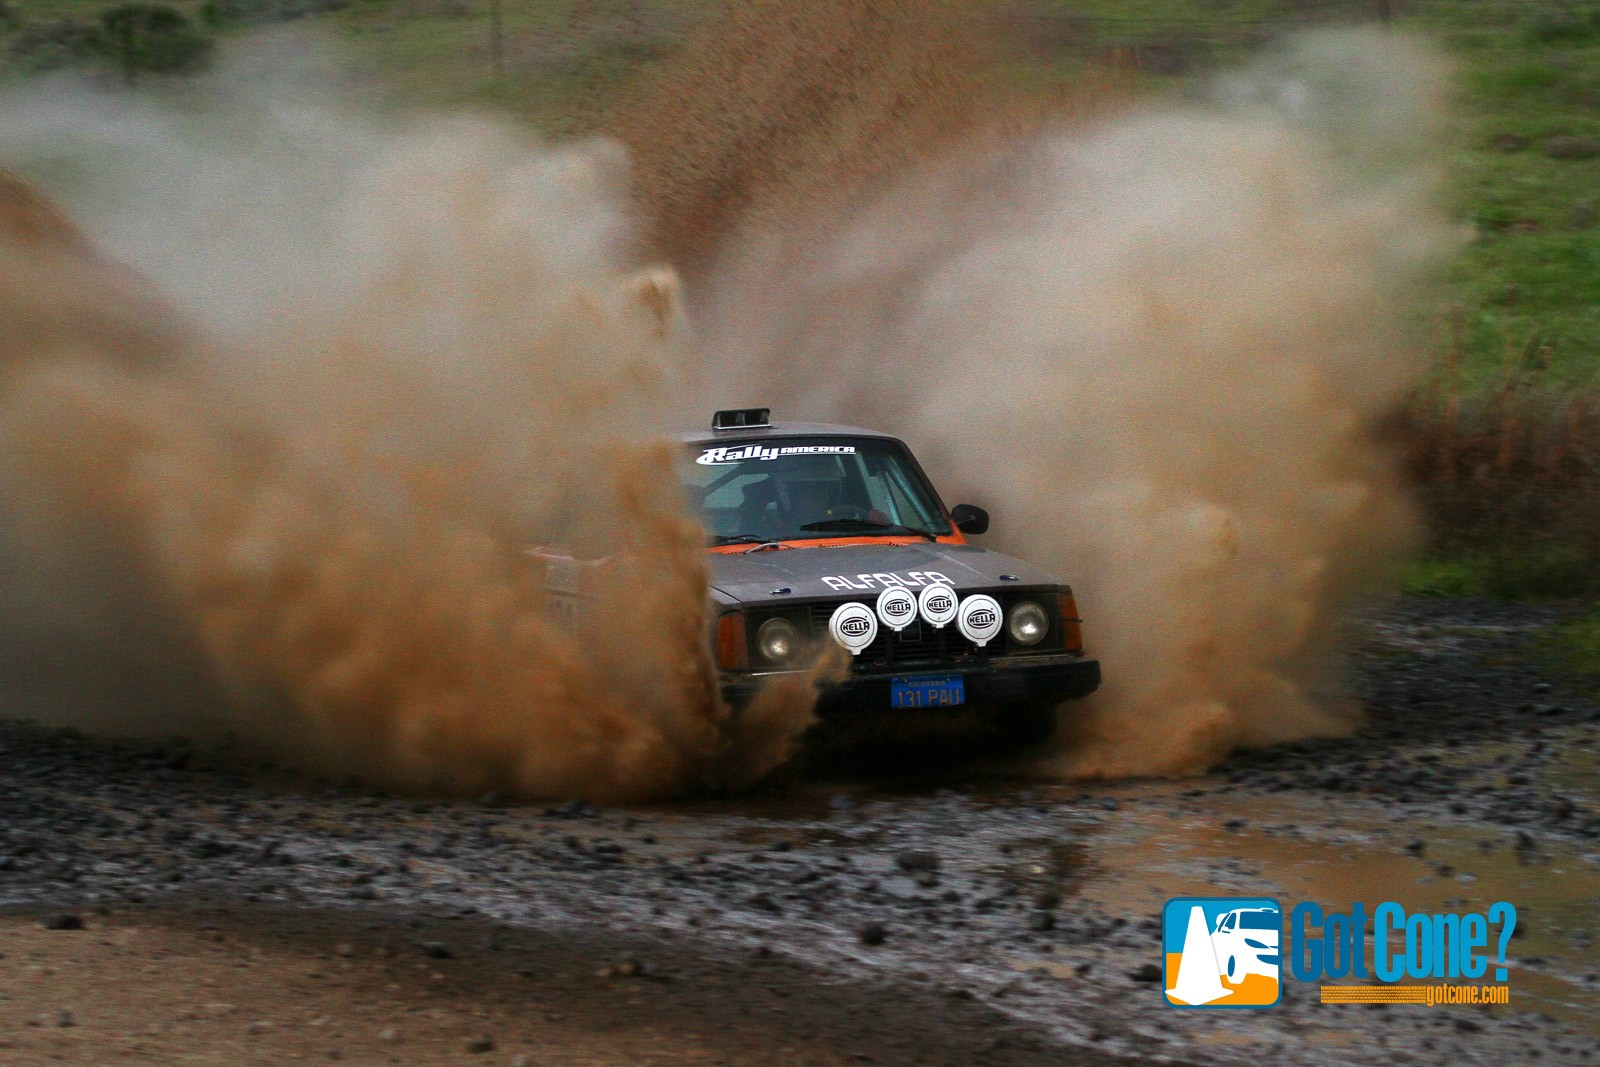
<point x="1232" y="962"/>
<point x="1026" y="724"/>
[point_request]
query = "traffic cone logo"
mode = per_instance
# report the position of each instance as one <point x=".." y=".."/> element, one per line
<point x="1222" y="952"/>
<point x="1199" y="978"/>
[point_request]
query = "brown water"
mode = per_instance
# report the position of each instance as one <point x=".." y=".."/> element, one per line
<point x="1161" y="842"/>
<point x="1316" y="848"/>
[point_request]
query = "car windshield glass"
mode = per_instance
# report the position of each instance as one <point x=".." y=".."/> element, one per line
<point x="792" y="489"/>
<point x="1259" y="920"/>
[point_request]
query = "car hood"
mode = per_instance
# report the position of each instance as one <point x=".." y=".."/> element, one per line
<point x="863" y="571"/>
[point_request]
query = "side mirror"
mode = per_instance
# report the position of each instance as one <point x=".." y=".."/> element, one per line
<point x="970" y="519"/>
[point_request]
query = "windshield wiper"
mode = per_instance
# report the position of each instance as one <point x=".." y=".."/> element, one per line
<point x="868" y="524"/>
<point x="740" y="539"/>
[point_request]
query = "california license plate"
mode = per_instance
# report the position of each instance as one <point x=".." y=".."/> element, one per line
<point x="928" y="691"/>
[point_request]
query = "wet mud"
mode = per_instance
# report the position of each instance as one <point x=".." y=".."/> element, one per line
<point x="1021" y="907"/>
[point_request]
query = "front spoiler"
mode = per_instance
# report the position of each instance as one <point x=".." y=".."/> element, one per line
<point x="1039" y="679"/>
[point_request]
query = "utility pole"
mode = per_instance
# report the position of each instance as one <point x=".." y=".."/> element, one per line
<point x="497" y="61"/>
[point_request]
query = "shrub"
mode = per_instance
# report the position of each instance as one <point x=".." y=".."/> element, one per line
<point x="55" y="44"/>
<point x="153" y="38"/>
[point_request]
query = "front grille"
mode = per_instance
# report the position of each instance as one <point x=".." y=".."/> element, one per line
<point x="918" y="642"/>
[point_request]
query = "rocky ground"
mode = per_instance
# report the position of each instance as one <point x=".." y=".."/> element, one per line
<point x="238" y="917"/>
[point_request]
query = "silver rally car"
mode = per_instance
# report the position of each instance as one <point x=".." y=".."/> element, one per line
<point x="823" y="533"/>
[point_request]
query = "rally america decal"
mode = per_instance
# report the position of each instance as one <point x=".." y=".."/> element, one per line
<point x="912" y="580"/>
<point x="713" y="457"/>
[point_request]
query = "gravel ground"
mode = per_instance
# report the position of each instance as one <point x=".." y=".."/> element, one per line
<point x="994" y="918"/>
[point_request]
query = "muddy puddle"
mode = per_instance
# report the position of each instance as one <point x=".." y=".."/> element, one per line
<point x="1122" y="851"/>
<point x="1336" y="854"/>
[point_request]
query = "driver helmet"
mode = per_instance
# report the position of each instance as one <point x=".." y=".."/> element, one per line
<point x="807" y="487"/>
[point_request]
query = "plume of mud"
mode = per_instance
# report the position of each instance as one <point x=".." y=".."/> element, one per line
<point x="410" y="357"/>
<point x="65" y="640"/>
<point x="776" y="110"/>
<point x="1158" y="347"/>
<point x="66" y="294"/>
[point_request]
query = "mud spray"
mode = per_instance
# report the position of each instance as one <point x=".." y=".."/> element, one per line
<point x="1159" y="347"/>
<point x="384" y="362"/>
<point x="407" y="357"/>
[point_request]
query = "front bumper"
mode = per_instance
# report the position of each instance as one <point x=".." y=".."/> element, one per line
<point x="1035" y="679"/>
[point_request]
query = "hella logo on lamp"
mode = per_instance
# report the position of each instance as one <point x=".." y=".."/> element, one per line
<point x="896" y="607"/>
<point x="979" y="619"/>
<point x="854" y="626"/>
<point x="938" y="604"/>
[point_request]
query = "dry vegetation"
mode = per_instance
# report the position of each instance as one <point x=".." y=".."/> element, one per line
<point x="1510" y="480"/>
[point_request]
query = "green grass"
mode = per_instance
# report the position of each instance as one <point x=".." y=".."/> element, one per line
<point x="1578" y="645"/>
<point x="1465" y="576"/>
<point x="1526" y="72"/>
<point x="1523" y="70"/>
<point x="559" y="64"/>
<point x="562" y="60"/>
<point x="1529" y="72"/>
<point x="1538" y="573"/>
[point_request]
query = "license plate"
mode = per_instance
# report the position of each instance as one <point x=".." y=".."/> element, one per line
<point x="937" y="691"/>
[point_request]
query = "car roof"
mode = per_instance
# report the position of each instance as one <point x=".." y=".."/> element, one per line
<point x="777" y="431"/>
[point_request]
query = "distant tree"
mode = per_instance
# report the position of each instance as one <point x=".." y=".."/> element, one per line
<point x="55" y="44"/>
<point x="153" y="38"/>
<point x="10" y="17"/>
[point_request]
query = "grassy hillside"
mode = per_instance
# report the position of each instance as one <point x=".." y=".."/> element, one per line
<point x="1525" y="161"/>
<point x="1527" y="167"/>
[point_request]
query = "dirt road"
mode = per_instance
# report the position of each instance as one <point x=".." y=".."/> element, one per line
<point x="237" y="915"/>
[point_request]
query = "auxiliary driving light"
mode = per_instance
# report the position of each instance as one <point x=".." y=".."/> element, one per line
<point x="938" y="603"/>
<point x="897" y="607"/>
<point x="854" y="626"/>
<point x="979" y="619"/>
<point x="1028" y="624"/>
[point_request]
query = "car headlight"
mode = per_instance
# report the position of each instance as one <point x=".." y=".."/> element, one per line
<point x="1028" y="623"/>
<point x="778" y="641"/>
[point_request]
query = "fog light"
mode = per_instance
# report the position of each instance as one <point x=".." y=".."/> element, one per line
<point x="1028" y="623"/>
<point x="778" y="641"/>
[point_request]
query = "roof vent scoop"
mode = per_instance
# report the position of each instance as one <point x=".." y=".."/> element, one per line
<point x="741" y="418"/>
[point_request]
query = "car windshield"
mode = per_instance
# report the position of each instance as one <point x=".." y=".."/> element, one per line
<point x="797" y="488"/>
<point x="1260" y="920"/>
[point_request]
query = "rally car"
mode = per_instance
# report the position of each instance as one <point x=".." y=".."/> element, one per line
<point x="821" y="533"/>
